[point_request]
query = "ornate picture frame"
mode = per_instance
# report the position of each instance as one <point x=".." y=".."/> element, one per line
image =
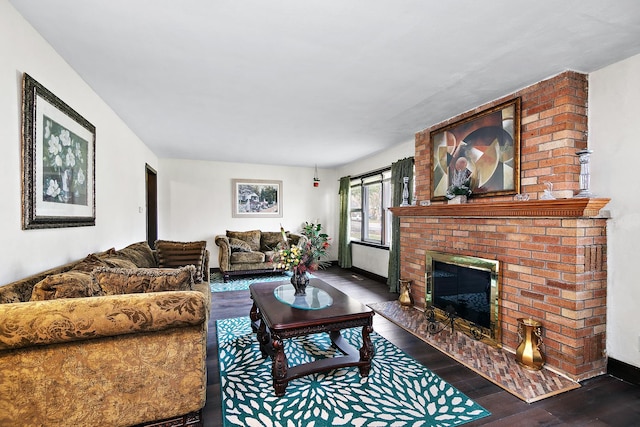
<point x="256" y="198"/>
<point x="58" y="162"/>
<point x="484" y="149"/>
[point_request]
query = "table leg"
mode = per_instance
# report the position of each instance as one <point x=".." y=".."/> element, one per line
<point x="366" y="352"/>
<point x="279" y="367"/>
<point x="264" y="338"/>
<point x="339" y="343"/>
<point x="254" y="316"/>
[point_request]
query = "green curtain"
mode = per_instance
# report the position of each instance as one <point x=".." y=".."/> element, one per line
<point x="344" y="248"/>
<point x="399" y="170"/>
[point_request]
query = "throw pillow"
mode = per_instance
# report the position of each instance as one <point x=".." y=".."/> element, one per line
<point x="89" y="263"/>
<point x="269" y="240"/>
<point x="238" y="245"/>
<point x="119" y="281"/>
<point x="118" y="262"/>
<point x="72" y="284"/>
<point x="251" y="237"/>
<point x="294" y="239"/>
<point x="140" y="254"/>
<point x="178" y="254"/>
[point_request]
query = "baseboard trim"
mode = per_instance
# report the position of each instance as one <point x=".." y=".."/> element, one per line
<point x="624" y="371"/>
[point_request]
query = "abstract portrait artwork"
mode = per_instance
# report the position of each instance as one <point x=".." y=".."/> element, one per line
<point x="482" y="150"/>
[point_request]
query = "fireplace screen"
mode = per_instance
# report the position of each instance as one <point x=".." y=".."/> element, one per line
<point x="464" y="291"/>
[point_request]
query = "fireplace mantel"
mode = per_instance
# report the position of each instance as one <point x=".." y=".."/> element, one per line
<point x="566" y="208"/>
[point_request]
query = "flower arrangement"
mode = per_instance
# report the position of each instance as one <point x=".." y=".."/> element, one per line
<point x="461" y="180"/>
<point x="305" y="257"/>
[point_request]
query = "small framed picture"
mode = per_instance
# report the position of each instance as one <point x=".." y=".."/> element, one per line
<point x="254" y="198"/>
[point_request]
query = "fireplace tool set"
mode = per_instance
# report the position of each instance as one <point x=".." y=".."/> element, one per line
<point x="451" y="316"/>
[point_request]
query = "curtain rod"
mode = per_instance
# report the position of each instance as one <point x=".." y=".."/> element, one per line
<point x="375" y="172"/>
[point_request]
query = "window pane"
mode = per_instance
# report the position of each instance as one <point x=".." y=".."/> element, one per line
<point x="355" y="197"/>
<point x="374" y="212"/>
<point x="355" y="225"/>
<point x="355" y="215"/>
<point x="386" y="204"/>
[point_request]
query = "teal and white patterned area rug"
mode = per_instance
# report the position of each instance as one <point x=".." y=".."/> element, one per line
<point x="242" y="283"/>
<point x="399" y="391"/>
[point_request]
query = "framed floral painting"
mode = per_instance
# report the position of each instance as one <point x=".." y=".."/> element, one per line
<point x="256" y="198"/>
<point x="58" y="162"/>
<point x="478" y="156"/>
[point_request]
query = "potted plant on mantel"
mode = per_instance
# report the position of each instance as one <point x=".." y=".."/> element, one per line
<point x="460" y="188"/>
<point x="458" y="194"/>
<point x="299" y="259"/>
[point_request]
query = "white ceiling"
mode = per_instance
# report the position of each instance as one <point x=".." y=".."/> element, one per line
<point x="326" y="82"/>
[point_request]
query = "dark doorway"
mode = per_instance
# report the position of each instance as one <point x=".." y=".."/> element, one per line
<point x="152" y="205"/>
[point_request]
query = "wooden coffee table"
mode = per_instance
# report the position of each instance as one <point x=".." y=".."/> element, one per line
<point x="274" y="321"/>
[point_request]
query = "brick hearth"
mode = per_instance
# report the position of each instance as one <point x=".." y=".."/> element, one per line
<point x="552" y="253"/>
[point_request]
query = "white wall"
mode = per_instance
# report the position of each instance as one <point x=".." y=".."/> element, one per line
<point x="120" y="159"/>
<point x="614" y="135"/>
<point x="367" y="258"/>
<point x="194" y="199"/>
<point x="195" y="196"/>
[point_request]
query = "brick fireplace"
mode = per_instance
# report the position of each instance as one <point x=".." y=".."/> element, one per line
<point x="552" y="252"/>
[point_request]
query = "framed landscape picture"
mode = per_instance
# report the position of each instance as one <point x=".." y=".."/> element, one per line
<point x="58" y="162"/>
<point x="256" y="198"/>
<point x="482" y="150"/>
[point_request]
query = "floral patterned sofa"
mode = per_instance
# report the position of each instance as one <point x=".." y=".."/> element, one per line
<point x="116" y="339"/>
<point x="250" y="252"/>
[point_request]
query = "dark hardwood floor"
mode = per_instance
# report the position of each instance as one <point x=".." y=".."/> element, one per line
<point x="601" y="401"/>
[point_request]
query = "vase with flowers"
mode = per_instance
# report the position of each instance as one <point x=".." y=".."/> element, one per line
<point x="308" y="255"/>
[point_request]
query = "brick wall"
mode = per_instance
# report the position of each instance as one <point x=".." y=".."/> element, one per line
<point x="552" y="269"/>
<point x="553" y="128"/>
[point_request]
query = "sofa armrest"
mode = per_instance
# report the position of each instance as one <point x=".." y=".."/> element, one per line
<point x="62" y="320"/>
<point x="224" y="252"/>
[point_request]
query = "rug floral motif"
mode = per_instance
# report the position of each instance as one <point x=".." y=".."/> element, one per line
<point x="399" y="391"/>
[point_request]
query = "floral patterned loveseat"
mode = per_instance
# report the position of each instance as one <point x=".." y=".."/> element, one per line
<point x="116" y="339"/>
<point x="250" y="252"/>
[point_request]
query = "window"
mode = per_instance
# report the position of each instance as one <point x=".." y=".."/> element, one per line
<point x="355" y="212"/>
<point x="369" y="214"/>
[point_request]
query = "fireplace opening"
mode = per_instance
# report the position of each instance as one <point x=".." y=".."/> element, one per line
<point x="464" y="291"/>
